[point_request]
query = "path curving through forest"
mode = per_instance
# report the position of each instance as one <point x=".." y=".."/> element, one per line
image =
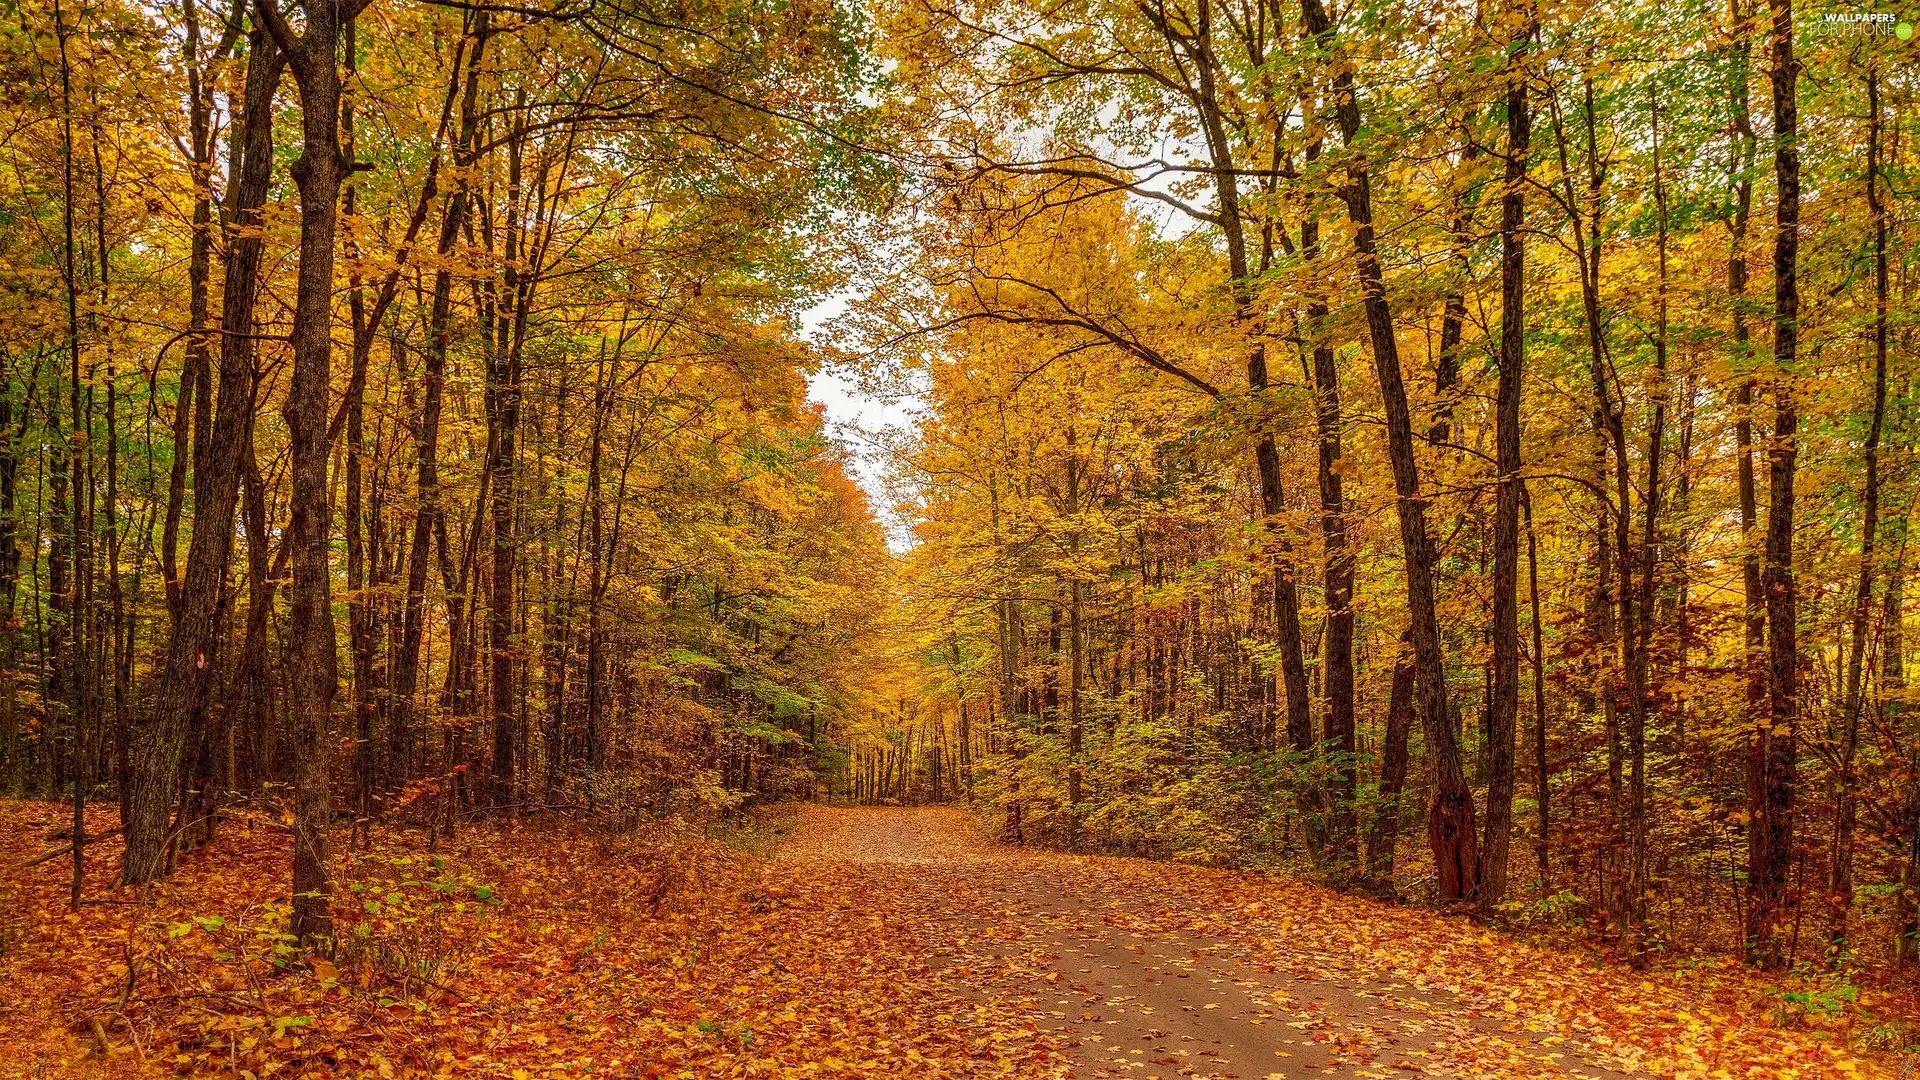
<point x="1141" y="969"/>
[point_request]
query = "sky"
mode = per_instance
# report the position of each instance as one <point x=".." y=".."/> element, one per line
<point x="856" y="416"/>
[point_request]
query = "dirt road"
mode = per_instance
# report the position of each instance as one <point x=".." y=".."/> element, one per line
<point x="1124" y="979"/>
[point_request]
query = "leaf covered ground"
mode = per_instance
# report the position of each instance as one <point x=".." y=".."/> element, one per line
<point x="534" y="953"/>
<point x="873" y="943"/>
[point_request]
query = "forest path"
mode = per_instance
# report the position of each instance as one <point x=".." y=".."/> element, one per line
<point x="1124" y="975"/>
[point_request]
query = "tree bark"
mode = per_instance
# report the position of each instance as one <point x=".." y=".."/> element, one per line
<point x="313" y="680"/>
<point x="1771" y="776"/>
<point x="1337" y="572"/>
<point x="1893" y="680"/>
<point x="1075" y="647"/>
<point x="1543" y="770"/>
<point x="1846" y="800"/>
<point x="1640" y="673"/>
<point x="1384" y="833"/>
<point x="79" y="760"/>
<point x="503" y="416"/>
<point x="193" y="404"/>
<point x="1504" y="710"/>
<point x="1741" y="160"/>
<point x="158" y="737"/>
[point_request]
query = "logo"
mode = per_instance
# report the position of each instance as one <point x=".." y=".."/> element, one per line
<point x="1864" y="24"/>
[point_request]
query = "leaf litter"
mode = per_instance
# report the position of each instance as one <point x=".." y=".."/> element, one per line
<point x="876" y="943"/>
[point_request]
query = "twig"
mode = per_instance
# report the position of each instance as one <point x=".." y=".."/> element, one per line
<point x="57" y="852"/>
<point x="482" y="811"/>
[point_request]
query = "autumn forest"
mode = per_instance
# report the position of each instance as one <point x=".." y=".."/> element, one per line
<point x="1376" y="496"/>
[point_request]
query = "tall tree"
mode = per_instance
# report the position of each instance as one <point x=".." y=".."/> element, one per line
<point x="1846" y="799"/>
<point x="1504" y="709"/>
<point x="1771" y="773"/>
<point x="313" y="55"/>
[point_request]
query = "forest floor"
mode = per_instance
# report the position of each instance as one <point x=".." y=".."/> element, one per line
<point x="865" y="943"/>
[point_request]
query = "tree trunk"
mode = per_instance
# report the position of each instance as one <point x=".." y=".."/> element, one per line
<point x="69" y="681"/>
<point x="1542" y="768"/>
<point x="260" y="704"/>
<point x="596" y="585"/>
<point x="1337" y="660"/>
<point x="1384" y="834"/>
<point x="193" y="405"/>
<point x="503" y="415"/>
<point x="1286" y="602"/>
<point x="1075" y="647"/>
<point x="311" y="661"/>
<point x="427" y="508"/>
<point x="157" y="740"/>
<point x="1771" y="776"/>
<point x="1504" y="709"/>
<point x="360" y="627"/>
<point x="1846" y="803"/>
<point x="1893" y="680"/>
<point x="1634" y="895"/>
<point x="1740" y="165"/>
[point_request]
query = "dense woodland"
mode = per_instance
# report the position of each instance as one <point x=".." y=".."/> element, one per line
<point x="1462" y="453"/>
<point x="401" y="406"/>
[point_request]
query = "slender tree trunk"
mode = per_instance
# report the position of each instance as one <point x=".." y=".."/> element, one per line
<point x="1741" y="161"/>
<point x="596" y="584"/>
<point x="15" y="760"/>
<point x="1384" y="833"/>
<point x="1286" y="602"/>
<point x="79" y="768"/>
<point x="1075" y="647"/>
<point x="359" y="576"/>
<point x="260" y="708"/>
<point x="1615" y="594"/>
<point x="503" y="412"/>
<point x="1634" y="895"/>
<point x="1543" y="770"/>
<point x="556" y="626"/>
<point x="192" y="405"/>
<point x="428" y="509"/>
<point x="311" y="661"/>
<point x="1337" y="662"/>
<point x="1893" y="681"/>
<point x="1771" y="780"/>
<point x="1504" y="709"/>
<point x="1846" y="802"/>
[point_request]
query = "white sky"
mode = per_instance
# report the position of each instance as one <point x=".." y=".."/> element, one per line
<point x="856" y="417"/>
